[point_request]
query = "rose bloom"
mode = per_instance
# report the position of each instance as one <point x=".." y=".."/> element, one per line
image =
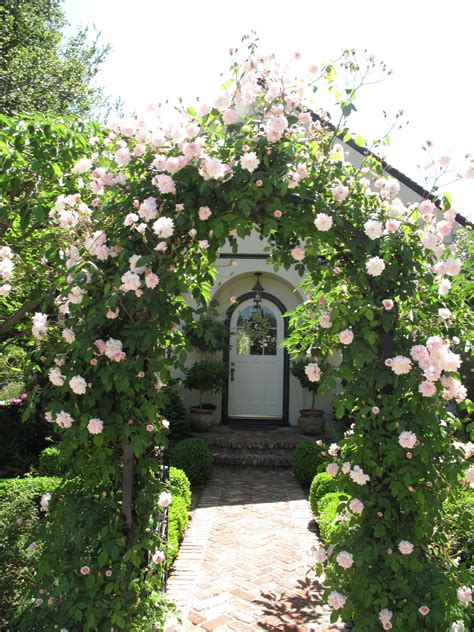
<point x="375" y="410"/>
<point x="64" y="420"/>
<point x="356" y="506"/>
<point x="346" y="336"/>
<point x="407" y="439"/>
<point x="151" y="280"/>
<point x="423" y="610"/>
<point x="313" y="372"/>
<point x="165" y="499"/>
<point x="56" y="377"/>
<point x="203" y="244"/>
<point x="332" y="469"/>
<point x="163" y="227"/>
<point x="358" y="476"/>
<point x="204" y="213"/>
<point x="388" y="304"/>
<point x="150" y="427"/>
<point x="277" y="213"/>
<point x="320" y="555"/>
<point x="346" y="468"/>
<point x="375" y="266"/>
<point x="336" y="600"/>
<point x="427" y="389"/>
<point x="344" y="559"/>
<point x="400" y="365"/>
<point x="158" y="557"/>
<point x="85" y="570"/>
<point x="323" y="222"/>
<point x="405" y="547"/>
<point x="373" y="229"/>
<point x="325" y="321"/>
<point x="69" y="336"/>
<point x="164" y="183"/>
<point x="464" y="594"/>
<point x="340" y="192"/>
<point x="78" y="385"/>
<point x="298" y="253"/>
<point x="82" y="166"/>
<point x="95" y="426"/>
<point x="385" y="616"/>
<point x="249" y="161"/>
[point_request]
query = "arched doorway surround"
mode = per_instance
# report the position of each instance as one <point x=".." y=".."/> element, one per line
<point x="284" y="392"/>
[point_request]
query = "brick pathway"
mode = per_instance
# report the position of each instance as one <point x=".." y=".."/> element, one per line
<point x="245" y="562"/>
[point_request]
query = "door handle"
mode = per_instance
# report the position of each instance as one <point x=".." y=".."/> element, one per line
<point x="232" y="373"/>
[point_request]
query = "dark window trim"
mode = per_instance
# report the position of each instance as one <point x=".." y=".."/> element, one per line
<point x="286" y="363"/>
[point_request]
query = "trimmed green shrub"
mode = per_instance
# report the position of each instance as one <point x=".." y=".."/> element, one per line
<point x="177" y="523"/>
<point x="20" y="520"/>
<point x="50" y="463"/>
<point x="194" y="457"/>
<point x="180" y="485"/>
<point x="327" y="515"/>
<point x="323" y="483"/>
<point x="306" y="461"/>
<point x="459" y="524"/>
<point x="176" y="413"/>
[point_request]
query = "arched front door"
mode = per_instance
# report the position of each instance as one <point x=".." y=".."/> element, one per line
<point x="256" y="361"/>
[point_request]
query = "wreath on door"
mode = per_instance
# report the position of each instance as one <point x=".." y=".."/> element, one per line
<point x="257" y="326"/>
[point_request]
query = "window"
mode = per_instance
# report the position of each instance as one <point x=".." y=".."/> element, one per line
<point x="250" y="322"/>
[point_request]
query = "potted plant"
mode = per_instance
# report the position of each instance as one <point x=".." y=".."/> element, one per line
<point x="311" y="420"/>
<point x="206" y="377"/>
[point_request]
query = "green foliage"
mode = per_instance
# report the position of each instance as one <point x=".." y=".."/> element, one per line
<point x="459" y="525"/>
<point x="178" y="521"/>
<point x="175" y="412"/>
<point x="41" y="69"/>
<point x="205" y="377"/>
<point x="207" y="335"/>
<point x="322" y="484"/>
<point x="180" y="485"/>
<point x="20" y="520"/>
<point x="50" y="462"/>
<point x="328" y="516"/>
<point x="194" y="457"/>
<point x="306" y="461"/>
<point x="20" y="442"/>
<point x="11" y="390"/>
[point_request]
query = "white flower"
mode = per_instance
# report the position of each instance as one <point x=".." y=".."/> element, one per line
<point x="249" y="161"/>
<point x="469" y="476"/>
<point x="407" y="439"/>
<point x="130" y="219"/>
<point x="313" y="372"/>
<point x="405" y="547"/>
<point x="113" y="350"/>
<point x="64" y="419"/>
<point x="165" y="499"/>
<point x="336" y="600"/>
<point x="214" y="168"/>
<point x="356" y="506"/>
<point x="82" y="166"/>
<point x="69" y="336"/>
<point x="44" y="502"/>
<point x="452" y="266"/>
<point x="163" y="227"/>
<point x="323" y="222"/>
<point x="358" y="476"/>
<point x="130" y="282"/>
<point x="133" y="264"/>
<point x="375" y="266"/>
<point x="320" y="554"/>
<point x="344" y="559"/>
<point x="332" y="469"/>
<point x="444" y="313"/>
<point x="385" y="616"/>
<point x="76" y="295"/>
<point x="78" y="385"/>
<point x="95" y="426"/>
<point x="204" y="213"/>
<point x="325" y="321"/>
<point x="400" y="365"/>
<point x="5" y="289"/>
<point x="40" y="325"/>
<point x="373" y="229"/>
<point x="340" y="192"/>
<point x="6" y="268"/>
<point x="56" y="377"/>
<point x="172" y="625"/>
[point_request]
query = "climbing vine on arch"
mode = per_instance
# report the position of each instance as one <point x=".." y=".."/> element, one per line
<point x="139" y="221"/>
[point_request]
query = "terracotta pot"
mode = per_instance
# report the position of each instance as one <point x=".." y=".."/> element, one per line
<point x="311" y="422"/>
<point x="201" y="419"/>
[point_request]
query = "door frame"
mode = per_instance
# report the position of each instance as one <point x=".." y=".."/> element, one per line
<point x="284" y="421"/>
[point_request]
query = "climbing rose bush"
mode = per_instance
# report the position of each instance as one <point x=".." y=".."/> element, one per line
<point x="139" y="220"/>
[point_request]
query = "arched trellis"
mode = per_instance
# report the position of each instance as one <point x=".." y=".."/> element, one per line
<point x="144" y="215"/>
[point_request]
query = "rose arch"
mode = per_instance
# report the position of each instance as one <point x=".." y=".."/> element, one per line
<point x="141" y="218"/>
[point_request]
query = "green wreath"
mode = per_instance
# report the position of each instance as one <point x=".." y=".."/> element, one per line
<point x="257" y="326"/>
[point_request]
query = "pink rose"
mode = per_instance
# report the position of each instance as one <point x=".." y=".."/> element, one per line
<point x="375" y="410"/>
<point x="356" y="506"/>
<point x="346" y="336"/>
<point x="204" y="213"/>
<point x="85" y="570"/>
<point x="405" y="547"/>
<point x="298" y="253"/>
<point x="150" y="427"/>
<point x="407" y="439"/>
<point x="332" y="469"/>
<point x="423" y="610"/>
<point x="95" y="426"/>
<point x="388" y="304"/>
<point x="277" y="214"/>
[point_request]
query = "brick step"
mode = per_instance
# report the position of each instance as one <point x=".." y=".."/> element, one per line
<point x="262" y="441"/>
<point x="258" y="459"/>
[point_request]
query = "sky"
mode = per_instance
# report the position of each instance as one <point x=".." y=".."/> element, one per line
<point x="163" y="50"/>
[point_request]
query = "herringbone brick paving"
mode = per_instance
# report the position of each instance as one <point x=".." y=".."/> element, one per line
<point x="246" y="562"/>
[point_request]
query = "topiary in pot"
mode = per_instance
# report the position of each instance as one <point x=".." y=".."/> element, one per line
<point x="206" y="377"/>
<point x="311" y="420"/>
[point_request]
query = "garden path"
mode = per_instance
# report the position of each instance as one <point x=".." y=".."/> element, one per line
<point x="246" y="562"/>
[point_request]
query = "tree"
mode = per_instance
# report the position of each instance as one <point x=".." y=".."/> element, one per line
<point x="41" y="70"/>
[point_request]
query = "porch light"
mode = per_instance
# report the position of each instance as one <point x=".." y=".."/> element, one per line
<point x="257" y="291"/>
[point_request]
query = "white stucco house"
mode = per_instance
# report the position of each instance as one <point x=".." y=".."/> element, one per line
<point x="260" y="387"/>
